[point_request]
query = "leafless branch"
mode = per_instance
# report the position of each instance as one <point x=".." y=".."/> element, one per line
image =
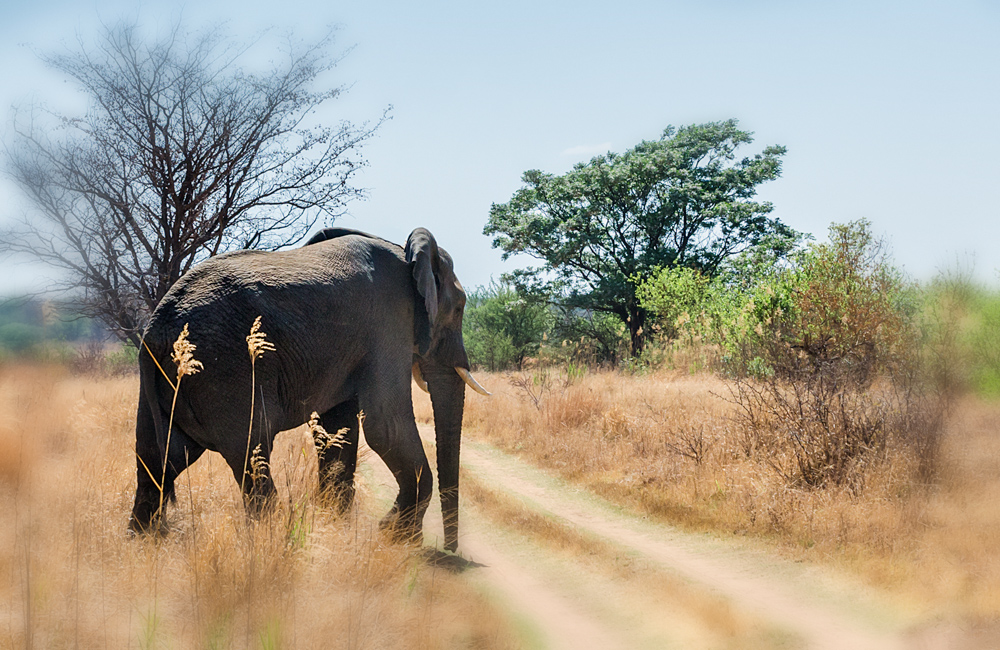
<point x="181" y="155"/>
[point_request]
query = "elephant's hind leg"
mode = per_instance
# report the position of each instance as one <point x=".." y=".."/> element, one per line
<point x="154" y="477"/>
<point x="251" y="467"/>
<point x="338" y="453"/>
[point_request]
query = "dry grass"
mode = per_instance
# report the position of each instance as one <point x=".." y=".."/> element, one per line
<point x="299" y="578"/>
<point x="668" y="445"/>
<point x="956" y="546"/>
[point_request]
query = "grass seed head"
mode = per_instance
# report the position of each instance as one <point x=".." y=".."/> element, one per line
<point x="258" y="464"/>
<point x="322" y="436"/>
<point x="183" y="355"/>
<point x="257" y="343"/>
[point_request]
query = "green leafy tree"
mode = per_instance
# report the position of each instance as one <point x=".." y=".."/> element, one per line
<point x="684" y="200"/>
<point x="501" y="327"/>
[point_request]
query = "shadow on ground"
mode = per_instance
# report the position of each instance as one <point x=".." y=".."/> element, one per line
<point x="448" y="561"/>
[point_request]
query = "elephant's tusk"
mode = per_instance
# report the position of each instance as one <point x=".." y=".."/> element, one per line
<point x="471" y="381"/>
<point x="419" y="378"/>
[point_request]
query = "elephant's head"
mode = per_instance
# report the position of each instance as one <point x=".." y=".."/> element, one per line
<point x="441" y="365"/>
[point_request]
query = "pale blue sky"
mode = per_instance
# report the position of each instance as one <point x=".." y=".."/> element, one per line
<point x="889" y="110"/>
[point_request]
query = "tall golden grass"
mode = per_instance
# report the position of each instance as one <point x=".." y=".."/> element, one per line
<point x="298" y="578"/>
<point x="668" y="444"/>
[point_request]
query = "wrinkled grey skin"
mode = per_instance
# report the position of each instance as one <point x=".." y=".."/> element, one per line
<point x="348" y="314"/>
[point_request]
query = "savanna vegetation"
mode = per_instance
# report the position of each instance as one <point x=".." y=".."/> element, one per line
<point x="679" y="350"/>
<point x="809" y="395"/>
<point x="695" y="432"/>
<point x="302" y="576"/>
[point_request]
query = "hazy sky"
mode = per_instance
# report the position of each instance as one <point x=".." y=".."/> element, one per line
<point x="889" y="110"/>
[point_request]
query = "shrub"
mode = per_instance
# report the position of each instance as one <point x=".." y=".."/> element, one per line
<point x="588" y="338"/>
<point x="502" y="327"/>
<point x="675" y="296"/>
<point x="695" y="314"/>
<point x="829" y="355"/>
<point x="843" y="309"/>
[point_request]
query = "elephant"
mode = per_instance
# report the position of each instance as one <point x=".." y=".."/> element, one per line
<point x="349" y="318"/>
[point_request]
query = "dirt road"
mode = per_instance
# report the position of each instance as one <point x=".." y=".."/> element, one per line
<point x="577" y="572"/>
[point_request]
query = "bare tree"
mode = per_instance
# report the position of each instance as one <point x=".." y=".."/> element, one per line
<point x="182" y="154"/>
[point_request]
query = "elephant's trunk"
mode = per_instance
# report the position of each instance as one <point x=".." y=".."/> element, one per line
<point x="448" y="398"/>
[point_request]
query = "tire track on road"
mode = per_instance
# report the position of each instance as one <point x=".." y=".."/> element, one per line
<point x="557" y="618"/>
<point x="767" y="588"/>
<point x="580" y="596"/>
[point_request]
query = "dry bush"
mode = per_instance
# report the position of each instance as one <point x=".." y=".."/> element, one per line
<point x="830" y="360"/>
<point x="818" y="432"/>
<point x="100" y="359"/>
<point x="670" y="444"/>
<point x="300" y="577"/>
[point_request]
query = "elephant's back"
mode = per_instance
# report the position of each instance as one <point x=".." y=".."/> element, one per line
<point x="336" y="264"/>
<point x="338" y="281"/>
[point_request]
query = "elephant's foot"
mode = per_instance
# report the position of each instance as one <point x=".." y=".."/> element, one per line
<point x="403" y="527"/>
<point x="149" y="523"/>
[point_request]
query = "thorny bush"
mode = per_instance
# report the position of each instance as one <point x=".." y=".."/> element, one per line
<point x="828" y="376"/>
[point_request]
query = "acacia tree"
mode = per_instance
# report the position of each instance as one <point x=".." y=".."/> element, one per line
<point x="602" y="228"/>
<point x="180" y="155"/>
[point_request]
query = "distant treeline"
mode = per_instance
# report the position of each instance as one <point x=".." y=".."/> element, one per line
<point x="29" y="325"/>
<point x="836" y="306"/>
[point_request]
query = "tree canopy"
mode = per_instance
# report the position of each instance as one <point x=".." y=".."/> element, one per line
<point x="684" y="200"/>
<point x="181" y="154"/>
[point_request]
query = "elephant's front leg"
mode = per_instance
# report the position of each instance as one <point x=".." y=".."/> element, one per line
<point x="337" y="450"/>
<point x="396" y="441"/>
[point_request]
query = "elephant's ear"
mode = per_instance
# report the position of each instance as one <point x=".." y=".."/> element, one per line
<point x="422" y="256"/>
